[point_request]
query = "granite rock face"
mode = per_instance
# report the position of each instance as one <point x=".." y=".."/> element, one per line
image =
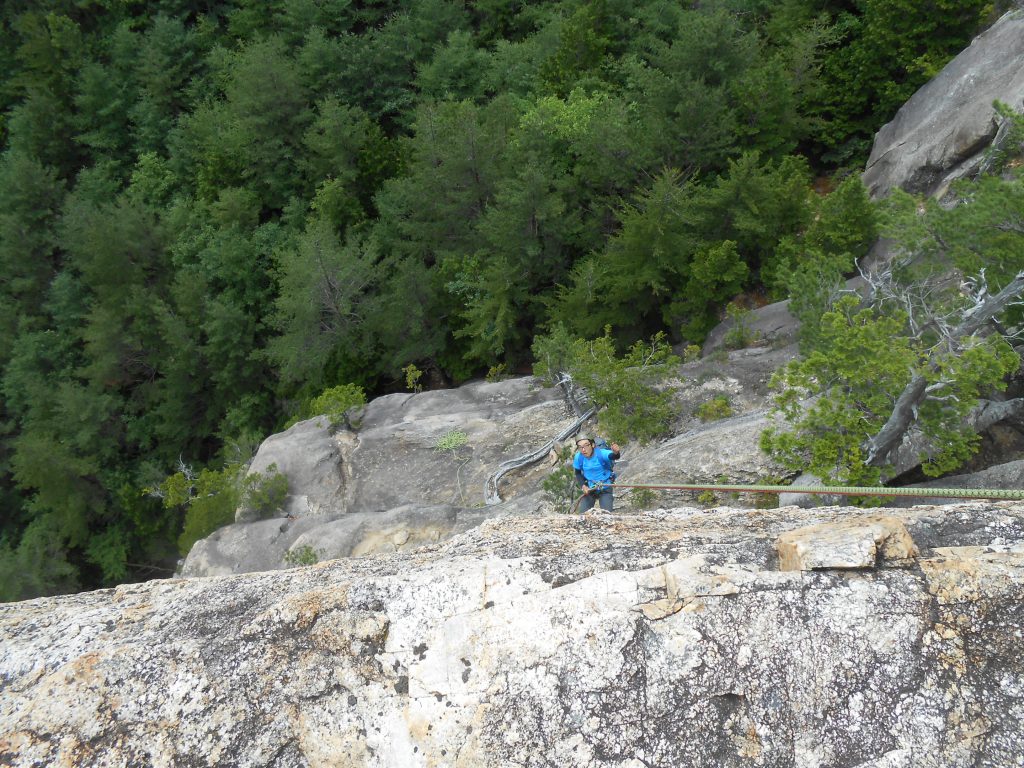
<point x="943" y="130"/>
<point x="666" y="639"/>
<point x="382" y="485"/>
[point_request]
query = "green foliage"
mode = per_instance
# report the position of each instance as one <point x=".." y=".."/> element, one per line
<point x="624" y="389"/>
<point x="864" y="362"/>
<point x="38" y="565"/>
<point x="264" y="495"/>
<point x="643" y="498"/>
<point x="210" y="501"/>
<point x="212" y="498"/>
<point x="740" y="335"/>
<point x="1010" y="146"/>
<point x="691" y="353"/>
<point x="880" y="52"/>
<point x="685" y="248"/>
<point x="207" y="217"/>
<point x="335" y="401"/>
<point x="451" y="440"/>
<point x="301" y="556"/>
<point x="412" y="377"/>
<point x="716" y="408"/>
<point x="325" y="289"/>
<point x="560" y="485"/>
<point x="982" y="233"/>
<point x="812" y="269"/>
<point x="497" y="372"/>
<point x="707" y="498"/>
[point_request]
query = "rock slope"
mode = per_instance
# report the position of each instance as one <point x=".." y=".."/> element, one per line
<point x="943" y="130"/>
<point x="884" y="638"/>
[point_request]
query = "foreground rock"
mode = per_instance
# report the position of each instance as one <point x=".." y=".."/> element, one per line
<point x="665" y="639"/>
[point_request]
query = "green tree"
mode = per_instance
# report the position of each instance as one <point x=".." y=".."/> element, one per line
<point x="685" y="248"/>
<point x="625" y="390"/>
<point x="842" y="395"/>
<point x="322" y="307"/>
<point x="883" y="51"/>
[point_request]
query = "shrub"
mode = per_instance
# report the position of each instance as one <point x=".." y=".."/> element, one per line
<point x="412" y="378"/>
<point x="559" y="486"/>
<point x="264" y="495"/>
<point x="740" y="335"/>
<point x="451" y="440"/>
<point x="691" y="353"/>
<point x="334" y="402"/>
<point x="624" y="389"/>
<point x="714" y="409"/>
<point x="304" y="555"/>
<point x="210" y="500"/>
<point x="497" y="372"/>
<point x="643" y="498"/>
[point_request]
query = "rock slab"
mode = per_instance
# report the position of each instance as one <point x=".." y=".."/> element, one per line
<point x="664" y="639"/>
<point x="942" y="131"/>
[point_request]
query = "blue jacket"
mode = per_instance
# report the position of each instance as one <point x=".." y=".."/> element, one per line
<point x="596" y="469"/>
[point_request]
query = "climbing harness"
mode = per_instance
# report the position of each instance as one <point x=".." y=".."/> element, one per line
<point x="834" y="490"/>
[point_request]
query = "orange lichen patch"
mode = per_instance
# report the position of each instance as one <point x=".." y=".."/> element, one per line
<point x="857" y="543"/>
<point x="964" y="574"/>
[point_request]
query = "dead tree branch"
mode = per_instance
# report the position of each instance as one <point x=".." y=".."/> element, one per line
<point x="973" y="322"/>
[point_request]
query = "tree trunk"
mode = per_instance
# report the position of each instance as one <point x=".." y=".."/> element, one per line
<point x="904" y="413"/>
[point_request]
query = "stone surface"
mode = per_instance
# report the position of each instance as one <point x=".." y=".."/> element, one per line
<point x="309" y="455"/>
<point x="942" y="131"/>
<point x="382" y="486"/>
<point x="665" y="639"/>
<point x="353" y="487"/>
<point x="859" y="543"/>
<point x="1007" y="475"/>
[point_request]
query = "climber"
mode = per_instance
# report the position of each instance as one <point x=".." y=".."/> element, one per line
<point x="593" y="465"/>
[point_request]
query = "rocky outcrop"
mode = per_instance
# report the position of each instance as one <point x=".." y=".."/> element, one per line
<point x="943" y="130"/>
<point x="384" y="483"/>
<point x="665" y="639"/>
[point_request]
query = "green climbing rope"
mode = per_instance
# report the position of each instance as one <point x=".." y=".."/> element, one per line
<point x="834" y="490"/>
<point x="847" y="490"/>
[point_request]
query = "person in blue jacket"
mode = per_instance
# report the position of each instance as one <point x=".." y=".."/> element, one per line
<point x="593" y="466"/>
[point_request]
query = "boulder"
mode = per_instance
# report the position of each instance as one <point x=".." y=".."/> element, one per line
<point x="1007" y="475"/>
<point x="670" y="638"/>
<point x="770" y="324"/>
<point x="943" y="130"/>
<point x="721" y="452"/>
<point x="389" y="476"/>
<point x="309" y="455"/>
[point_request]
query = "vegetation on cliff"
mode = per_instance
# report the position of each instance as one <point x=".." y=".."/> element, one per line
<point x="212" y="212"/>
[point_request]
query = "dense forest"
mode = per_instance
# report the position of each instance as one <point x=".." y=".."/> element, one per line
<point x="211" y="212"/>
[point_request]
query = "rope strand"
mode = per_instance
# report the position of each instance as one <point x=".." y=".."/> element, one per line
<point x="838" y="490"/>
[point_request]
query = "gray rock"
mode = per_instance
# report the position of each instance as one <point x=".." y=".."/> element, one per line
<point x="942" y="131"/>
<point x="385" y="478"/>
<point x="770" y="324"/>
<point x="668" y="639"/>
<point x="309" y="455"/>
<point x="721" y="452"/>
<point x="1008" y="475"/>
<point x="807" y="500"/>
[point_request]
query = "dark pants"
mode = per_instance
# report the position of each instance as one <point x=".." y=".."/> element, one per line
<point x="604" y="498"/>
